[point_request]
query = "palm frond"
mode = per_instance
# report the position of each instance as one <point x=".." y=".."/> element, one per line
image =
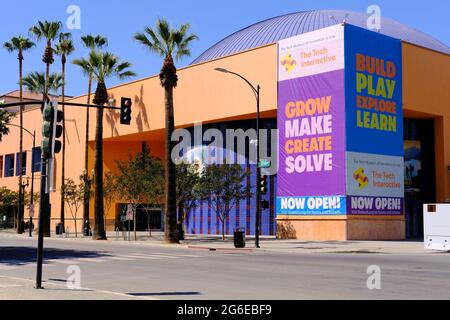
<point x="65" y="46"/>
<point x="35" y="82"/>
<point x="94" y="42"/>
<point x="46" y="29"/>
<point x="153" y="44"/>
<point x="163" y="28"/>
<point x="166" y="41"/>
<point x="18" y="43"/>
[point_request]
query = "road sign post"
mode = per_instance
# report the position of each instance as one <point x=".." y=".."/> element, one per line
<point x="129" y="219"/>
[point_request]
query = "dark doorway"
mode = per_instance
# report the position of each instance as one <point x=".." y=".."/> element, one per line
<point x="420" y="173"/>
<point x="145" y="219"/>
<point x="148" y="218"/>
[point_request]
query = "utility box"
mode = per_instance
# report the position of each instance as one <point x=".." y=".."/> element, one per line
<point x="436" y="223"/>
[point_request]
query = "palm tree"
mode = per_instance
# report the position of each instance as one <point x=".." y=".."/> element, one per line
<point x="49" y="31"/>
<point x="35" y="83"/>
<point x="20" y="44"/>
<point x="166" y="42"/>
<point x="104" y="66"/>
<point x="92" y="43"/>
<point x="64" y="48"/>
<point x="5" y="119"/>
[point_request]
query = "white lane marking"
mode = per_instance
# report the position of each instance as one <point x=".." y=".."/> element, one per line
<point x="63" y="261"/>
<point x="4" y="286"/>
<point x="162" y="255"/>
<point x="174" y="255"/>
<point x="142" y="257"/>
<point x="94" y="260"/>
<point x="189" y="256"/>
<point x="18" y="262"/>
<point x="119" y="258"/>
<point x="8" y="268"/>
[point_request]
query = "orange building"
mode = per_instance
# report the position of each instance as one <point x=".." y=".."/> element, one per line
<point x="222" y="101"/>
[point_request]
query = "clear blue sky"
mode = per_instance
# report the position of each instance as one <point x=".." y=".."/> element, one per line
<point x="211" y="20"/>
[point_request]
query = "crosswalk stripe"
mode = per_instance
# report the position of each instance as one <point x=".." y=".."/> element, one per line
<point x="7" y="268"/>
<point x="189" y="256"/>
<point x="178" y="255"/>
<point x="91" y="260"/>
<point x="15" y="264"/>
<point x="162" y="256"/>
<point x="63" y="261"/>
<point x="135" y="257"/>
<point x="18" y="262"/>
<point x="143" y="257"/>
<point x="119" y="258"/>
<point x="165" y="255"/>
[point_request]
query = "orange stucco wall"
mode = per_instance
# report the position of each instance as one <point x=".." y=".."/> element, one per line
<point x="426" y="94"/>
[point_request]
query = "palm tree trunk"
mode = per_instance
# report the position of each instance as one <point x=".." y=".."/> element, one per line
<point x="47" y="77"/>
<point x="99" y="225"/>
<point x="63" y="164"/>
<point x="170" y="222"/>
<point x="86" y="159"/>
<point x="19" y="163"/>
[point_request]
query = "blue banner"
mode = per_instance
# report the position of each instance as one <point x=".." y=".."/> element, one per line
<point x="331" y="205"/>
<point x="373" y="73"/>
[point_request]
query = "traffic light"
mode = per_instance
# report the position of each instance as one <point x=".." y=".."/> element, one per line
<point x="263" y="184"/>
<point x="57" y="131"/>
<point x="125" y="111"/>
<point x="51" y="130"/>
<point x="265" y="205"/>
<point x="47" y="130"/>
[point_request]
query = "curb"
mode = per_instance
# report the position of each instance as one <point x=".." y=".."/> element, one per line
<point x="218" y="249"/>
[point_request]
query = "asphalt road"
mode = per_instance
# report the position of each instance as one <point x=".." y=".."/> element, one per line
<point x="161" y="272"/>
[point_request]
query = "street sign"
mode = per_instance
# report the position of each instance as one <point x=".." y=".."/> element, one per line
<point x="31" y="210"/>
<point x="264" y="164"/>
<point x="129" y="212"/>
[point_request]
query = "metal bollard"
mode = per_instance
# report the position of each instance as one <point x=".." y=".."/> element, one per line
<point x="124" y="232"/>
<point x="117" y="233"/>
<point x="67" y="232"/>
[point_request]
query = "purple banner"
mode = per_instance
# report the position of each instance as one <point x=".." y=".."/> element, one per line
<point x="311" y="123"/>
<point x="374" y="205"/>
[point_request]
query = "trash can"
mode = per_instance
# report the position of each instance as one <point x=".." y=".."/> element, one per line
<point x="59" y="229"/>
<point x="239" y="238"/>
<point x="180" y="231"/>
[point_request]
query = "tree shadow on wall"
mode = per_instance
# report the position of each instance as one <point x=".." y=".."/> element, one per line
<point x="286" y="231"/>
<point x="142" y="117"/>
<point x="112" y="117"/>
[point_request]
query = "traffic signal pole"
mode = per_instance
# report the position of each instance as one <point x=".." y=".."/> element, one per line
<point x="51" y="131"/>
<point x="42" y="211"/>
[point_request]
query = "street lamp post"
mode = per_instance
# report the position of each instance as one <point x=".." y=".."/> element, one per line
<point x="256" y="91"/>
<point x="32" y="186"/>
<point x="22" y="188"/>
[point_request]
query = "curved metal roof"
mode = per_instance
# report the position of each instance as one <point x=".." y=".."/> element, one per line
<point x="289" y="25"/>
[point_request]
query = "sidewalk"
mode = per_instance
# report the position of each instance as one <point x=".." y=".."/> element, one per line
<point x="12" y="288"/>
<point x="207" y="242"/>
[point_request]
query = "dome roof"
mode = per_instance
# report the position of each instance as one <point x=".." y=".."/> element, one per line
<point x="289" y="25"/>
